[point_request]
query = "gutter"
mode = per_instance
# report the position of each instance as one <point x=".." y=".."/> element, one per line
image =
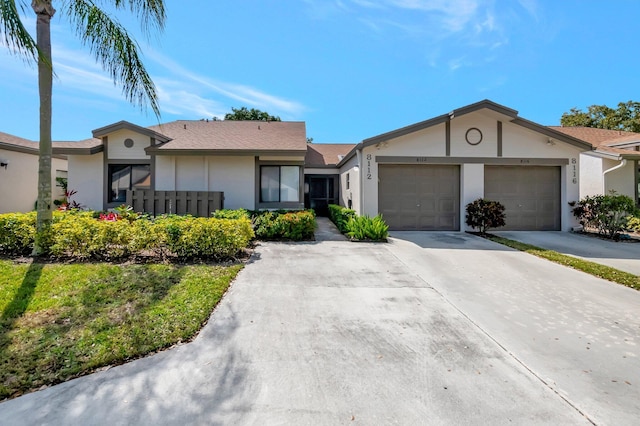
<point x="619" y="166"/>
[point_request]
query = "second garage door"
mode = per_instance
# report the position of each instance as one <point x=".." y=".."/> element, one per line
<point x="420" y="197"/>
<point x="531" y="196"/>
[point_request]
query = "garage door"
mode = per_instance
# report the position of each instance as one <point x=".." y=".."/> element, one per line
<point x="420" y="197"/>
<point x="530" y="195"/>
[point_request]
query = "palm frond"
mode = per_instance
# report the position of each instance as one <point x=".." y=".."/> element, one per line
<point x="115" y="50"/>
<point x="13" y="33"/>
<point x="150" y="13"/>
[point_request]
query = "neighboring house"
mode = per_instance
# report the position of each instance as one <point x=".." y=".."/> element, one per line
<point x="19" y="174"/>
<point x="422" y="176"/>
<point x="613" y="165"/>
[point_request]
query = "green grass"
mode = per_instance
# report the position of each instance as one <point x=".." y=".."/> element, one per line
<point x="59" y="321"/>
<point x="595" y="269"/>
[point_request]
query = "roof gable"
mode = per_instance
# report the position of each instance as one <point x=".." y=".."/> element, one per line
<point x="125" y="125"/>
<point x="326" y="155"/>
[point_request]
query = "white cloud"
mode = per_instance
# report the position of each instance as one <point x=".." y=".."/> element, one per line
<point x="205" y="87"/>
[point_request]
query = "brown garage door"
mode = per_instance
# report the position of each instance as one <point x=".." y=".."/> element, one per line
<point x="530" y="195"/>
<point x="420" y="197"/>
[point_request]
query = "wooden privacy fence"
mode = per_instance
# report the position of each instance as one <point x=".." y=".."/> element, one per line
<point x="195" y="203"/>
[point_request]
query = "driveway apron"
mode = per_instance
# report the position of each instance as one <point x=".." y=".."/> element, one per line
<point x="577" y="333"/>
<point x="330" y="332"/>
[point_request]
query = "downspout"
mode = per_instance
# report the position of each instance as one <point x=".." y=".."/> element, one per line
<point x="619" y="166"/>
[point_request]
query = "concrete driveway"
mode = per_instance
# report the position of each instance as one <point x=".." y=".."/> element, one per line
<point x="430" y="329"/>
<point x="624" y="256"/>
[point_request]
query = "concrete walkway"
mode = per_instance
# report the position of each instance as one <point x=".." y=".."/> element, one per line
<point x="324" y="333"/>
<point x="624" y="256"/>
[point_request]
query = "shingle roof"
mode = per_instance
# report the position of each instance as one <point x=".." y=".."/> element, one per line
<point x="8" y="139"/>
<point x="15" y="143"/>
<point x="595" y="137"/>
<point x="252" y="136"/>
<point x="326" y="154"/>
<point x="604" y="140"/>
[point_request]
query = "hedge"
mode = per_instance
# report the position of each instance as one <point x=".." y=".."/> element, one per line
<point x="281" y="225"/>
<point x="83" y="236"/>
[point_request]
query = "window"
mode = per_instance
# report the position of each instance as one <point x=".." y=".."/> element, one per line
<point x="348" y="182"/>
<point x="123" y="177"/>
<point x="279" y="184"/>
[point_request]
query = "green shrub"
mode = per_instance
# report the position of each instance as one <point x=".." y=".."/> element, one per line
<point x="81" y="235"/>
<point x="198" y="237"/>
<point x="231" y="214"/>
<point x="365" y="228"/>
<point x="279" y="225"/>
<point x="484" y="214"/>
<point x="340" y="216"/>
<point x="633" y="224"/>
<point x="17" y="233"/>
<point x="606" y="213"/>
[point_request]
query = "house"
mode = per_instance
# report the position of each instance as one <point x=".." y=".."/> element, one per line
<point x="613" y="165"/>
<point x="419" y="177"/>
<point x="19" y="174"/>
<point x="255" y="164"/>
<point x="422" y="176"/>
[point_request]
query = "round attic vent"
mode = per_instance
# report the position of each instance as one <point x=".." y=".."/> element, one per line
<point x="128" y="143"/>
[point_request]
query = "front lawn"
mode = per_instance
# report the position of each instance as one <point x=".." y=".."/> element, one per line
<point x="59" y="321"/>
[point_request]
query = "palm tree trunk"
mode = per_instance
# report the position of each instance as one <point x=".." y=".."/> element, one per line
<point x="44" y="12"/>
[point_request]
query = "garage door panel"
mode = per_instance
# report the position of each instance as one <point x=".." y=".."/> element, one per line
<point x="531" y="196"/>
<point x="429" y="196"/>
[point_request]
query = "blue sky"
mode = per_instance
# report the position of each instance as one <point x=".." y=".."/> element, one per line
<point x="350" y="69"/>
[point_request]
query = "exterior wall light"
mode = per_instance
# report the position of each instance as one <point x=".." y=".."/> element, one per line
<point x="4" y="163"/>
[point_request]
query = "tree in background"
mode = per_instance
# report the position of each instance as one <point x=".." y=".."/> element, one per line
<point x="626" y="117"/>
<point x="110" y="44"/>
<point x="249" y="114"/>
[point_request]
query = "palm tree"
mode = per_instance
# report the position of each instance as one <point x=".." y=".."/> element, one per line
<point x="110" y="44"/>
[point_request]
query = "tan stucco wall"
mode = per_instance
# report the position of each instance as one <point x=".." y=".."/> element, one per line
<point x="86" y="175"/>
<point x="19" y="181"/>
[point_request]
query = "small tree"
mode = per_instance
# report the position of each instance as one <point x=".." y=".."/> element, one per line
<point x="606" y="213"/>
<point x="484" y="214"/>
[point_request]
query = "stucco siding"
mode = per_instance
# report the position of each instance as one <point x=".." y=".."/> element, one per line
<point x="118" y="151"/>
<point x="165" y="173"/>
<point x="191" y="173"/>
<point x="518" y="141"/>
<point x="488" y="147"/>
<point x="590" y="175"/>
<point x="19" y="187"/>
<point x="471" y="188"/>
<point x="429" y="142"/>
<point x="620" y="180"/>
<point x="352" y="193"/>
<point x="86" y="177"/>
<point x="235" y="176"/>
